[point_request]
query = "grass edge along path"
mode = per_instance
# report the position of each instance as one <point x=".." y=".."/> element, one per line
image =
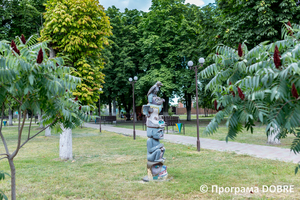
<point x="108" y="165"/>
<point x="268" y="152"/>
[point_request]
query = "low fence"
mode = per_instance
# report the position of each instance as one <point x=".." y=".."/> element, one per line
<point x="202" y="111"/>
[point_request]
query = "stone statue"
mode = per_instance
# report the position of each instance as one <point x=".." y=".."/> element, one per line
<point x="155" y="132"/>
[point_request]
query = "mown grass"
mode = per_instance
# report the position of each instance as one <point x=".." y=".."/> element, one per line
<point x="257" y="137"/>
<point x="111" y="166"/>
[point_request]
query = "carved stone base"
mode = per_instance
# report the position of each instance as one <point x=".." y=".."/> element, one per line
<point x="156" y="172"/>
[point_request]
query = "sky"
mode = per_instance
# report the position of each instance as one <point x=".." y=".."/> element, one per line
<point x="143" y="4"/>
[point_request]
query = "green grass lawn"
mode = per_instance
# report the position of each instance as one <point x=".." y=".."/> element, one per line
<point x="111" y="166"/>
<point x="258" y="137"/>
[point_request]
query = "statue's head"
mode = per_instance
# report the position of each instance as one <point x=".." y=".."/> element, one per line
<point x="156" y="133"/>
<point x="159" y="134"/>
<point x="159" y="84"/>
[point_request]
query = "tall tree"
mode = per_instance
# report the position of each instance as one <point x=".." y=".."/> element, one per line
<point x="254" y="21"/>
<point x="197" y="40"/>
<point x="79" y="29"/>
<point x="20" y="17"/>
<point x="160" y="45"/>
<point x="123" y="57"/>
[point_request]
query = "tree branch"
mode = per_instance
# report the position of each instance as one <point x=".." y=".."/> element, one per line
<point x="4" y="157"/>
<point x="16" y="99"/>
<point x="19" y="110"/>
<point x="285" y="104"/>
<point x="1" y="135"/>
<point x="19" y="135"/>
<point x="29" y="126"/>
<point x="38" y="133"/>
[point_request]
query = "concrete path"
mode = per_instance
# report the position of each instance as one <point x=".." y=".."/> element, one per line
<point x="268" y="152"/>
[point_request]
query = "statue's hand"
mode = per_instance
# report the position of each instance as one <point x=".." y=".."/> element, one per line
<point x="162" y="125"/>
<point x="160" y="146"/>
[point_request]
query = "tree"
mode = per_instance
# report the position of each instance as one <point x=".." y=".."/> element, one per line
<point x="20" y="17"/>
<point x="205" y="96"/>
<point x="123" y="57"/>
<point x="78" y="29"/>
<point x="254" y="21"/>
<point x="161" y="46"/>
<point x="197" y="34"/>
<point x="259" y="86"/>
<point x="36" y="82"/>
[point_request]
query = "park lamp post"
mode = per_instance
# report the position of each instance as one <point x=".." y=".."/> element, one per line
<point x="195" y="68"/>
<point x="100" y="110"/>
<point x="132" y="83"/>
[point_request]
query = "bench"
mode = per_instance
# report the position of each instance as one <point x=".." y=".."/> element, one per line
<point x="105" y="119"/>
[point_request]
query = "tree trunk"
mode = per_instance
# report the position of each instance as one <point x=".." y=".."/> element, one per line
<point x="40" y="119"/>
<point x="109" y="108"/>
<point x="48" y="132"/>
<point x="13" y="178"/>
<point x="272" y="136"/>
<point x="10" y="115"/>
<point x="188" y="105"/>
<point x="52" y="52"/>
<point x="206" y="112"/>
<point x="65" y="144"/>
<point x="166" y="106"/>
<point x="114" y="107"/>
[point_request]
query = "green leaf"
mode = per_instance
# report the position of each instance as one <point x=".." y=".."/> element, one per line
<point x="31" y="79"/>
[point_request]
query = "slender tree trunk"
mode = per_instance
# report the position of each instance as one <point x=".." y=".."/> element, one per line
<point x="166" y="106"/>
<point x="109" y="108"/>
<point x="48" y="132"/>
<point x="114" y="107"/>
<point x="10" y="115"/>
<point x="127" y="109"/>
<point x="40" y="119"/>
<point x="205" y="112"/>
<point x="65" y="144"/>
<point x="52" y="52"/>
<point x="13" y="178"/>
<point x="272" y="136"/>
<point x="188" y="105"/>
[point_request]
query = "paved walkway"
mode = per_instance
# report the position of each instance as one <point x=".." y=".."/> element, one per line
<point x="268" y="152"/>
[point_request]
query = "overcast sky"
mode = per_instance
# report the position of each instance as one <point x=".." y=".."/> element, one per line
<point x="143" y="4"/>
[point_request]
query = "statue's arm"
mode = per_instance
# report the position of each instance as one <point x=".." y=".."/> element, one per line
<point x="152" y="149"/>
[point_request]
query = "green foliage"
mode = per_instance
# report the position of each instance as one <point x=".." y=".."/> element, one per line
<point x="32" y="81"/>
<point x="79" y="30"/>
<point x="123" y="57"/>
<point x="254" y="21"/>
<point x="2" y="177"/>
<point x="262" y="92"/>
<point x="20" y="17"/>
<point x="170" y="39"/>
<point x="45" y="86"/>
